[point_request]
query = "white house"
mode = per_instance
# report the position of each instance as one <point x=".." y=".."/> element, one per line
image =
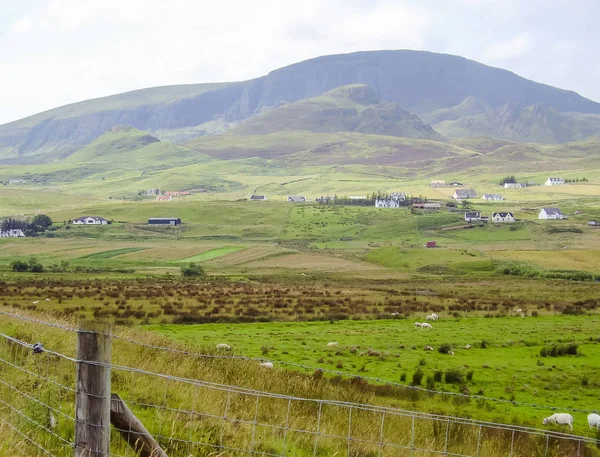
<point x="258" y="198"/>
<point x="12" y="233"/>
<point x="492" y="197"/>
<point x="438" y="183"/>
<point x="398" y="196"/>
<point x="503" y="217"/>
<point x="386" y="204"/>
<point x="514" y="185"/>
<point x="89" y="220"/>
<point x="554" y="182"/>
<point x="551" y="213"/>
<point x="463" y="194"/>
<point x="296" y="198"/>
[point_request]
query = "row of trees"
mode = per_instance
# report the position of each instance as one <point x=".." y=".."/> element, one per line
<point x="38" y="224"/>
<point x="576" y="180"/>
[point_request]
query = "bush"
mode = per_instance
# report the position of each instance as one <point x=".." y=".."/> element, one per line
<point x="445" y="348"/>
<point x="453" y="376"/>
<point x="192" y="271"/>
<point x="470" y="375"/>
<point x="19" y="266"/>
<point x="437" y="376"/>
<point x="35" y="266"/>
<point x="417" y="377"/>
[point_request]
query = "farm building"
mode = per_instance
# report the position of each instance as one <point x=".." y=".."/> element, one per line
<point x="514" y="185"/>
<point x="12" y="233"/>
<point x="492" y="197"/>
<point x="296" y="198"/>
<point x="258" y="198"/>
<point x="431" y="244"/>
<point x="551" y="213"/>
<point x="177" y="193"/>
<point x="503" y="217"/>
<point x="164" y="198"/>
<point x="164" y="221"/>
<point x="472" y="216"/>
<point x="89" y="220"/>
<point x="427" y="206"/>
<point x="438" y="183"/>
<point x="463" y="194"/>
<point x="594" y="223"/>
<point x="456" y="184"/>
<point x="554" y="182"/>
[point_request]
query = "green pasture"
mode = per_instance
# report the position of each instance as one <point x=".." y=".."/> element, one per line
<point x="504" y="359"/>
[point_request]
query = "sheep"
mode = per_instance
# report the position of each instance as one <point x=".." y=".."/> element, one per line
<point x="518" y="310"/>
<point x="468" y="346"/>
<point x="594" y="420"/>
<point x="418" y="324"/>
<point x="559" y="419"/>
<point x="267" y="364"/>
<point x="47" y="299"/>
<point x="430" y="317"/>
<point x="223" y="346"/>
<point x="395" y="313"/>
<point x="426" y="325"/>
<point x="332" y="344"/>
<point x="450" y="352"/>
<point x="35" y="302"/>
<point x="435" y="316"/>
<point x="428" y="348"/>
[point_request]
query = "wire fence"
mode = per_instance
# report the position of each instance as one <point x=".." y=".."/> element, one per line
<point x="195" y="415"/>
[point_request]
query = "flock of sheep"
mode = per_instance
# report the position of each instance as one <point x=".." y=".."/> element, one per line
<point x="558" y="418"/>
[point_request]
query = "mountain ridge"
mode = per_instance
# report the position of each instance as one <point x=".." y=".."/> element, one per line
<point x="418" y="81"/>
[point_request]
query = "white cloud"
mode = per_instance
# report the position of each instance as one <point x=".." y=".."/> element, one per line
<point x="518" y="46"/>
<point x="23" y="25"/>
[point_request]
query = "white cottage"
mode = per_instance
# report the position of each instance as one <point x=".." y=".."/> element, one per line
<point x="386" y="204"/>
<point x="12" y="233"/>
<point x="554" y="182"/>
<point x="503" y="217"/>
<point x="550" y="214"/>
<point x="89" y="220"/>
<point x="492" y="197"/>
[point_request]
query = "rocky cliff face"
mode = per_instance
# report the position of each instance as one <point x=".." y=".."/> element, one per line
<point x="417" y="81"/>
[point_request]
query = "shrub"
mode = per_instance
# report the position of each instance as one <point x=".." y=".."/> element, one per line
<point x="403" y="377"/>
<point x="445" y="348"/>
<point x="470" y="375"/>
<point x="453" y="376"/>
<point x="417" y="377"/>
<point x="437" y="376"/>
<point x="560" y="350"/>
<point x="35" y="266"/>
<point x="429" y="382"/>
<point x="192" y="270"/>
<point x="19" y="266"/>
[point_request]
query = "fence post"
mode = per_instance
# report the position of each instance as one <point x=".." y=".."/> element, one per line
<point x="92" y="398"/>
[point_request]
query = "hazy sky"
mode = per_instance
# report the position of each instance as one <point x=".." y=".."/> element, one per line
<point x="55" y="52"/>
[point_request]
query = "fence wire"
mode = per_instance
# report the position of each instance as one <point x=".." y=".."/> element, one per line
<point x="194" y="417"/>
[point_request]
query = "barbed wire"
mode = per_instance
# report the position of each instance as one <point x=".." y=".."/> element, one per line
<point x="35" y="443"/>
<point x="306" y="367"/>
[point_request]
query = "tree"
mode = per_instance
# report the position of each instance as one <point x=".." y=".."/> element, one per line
<point x="42" y="221"/>
<point x="19" y="266"/>
<point x="192" y="271"/>
<point x="35" y="266"/>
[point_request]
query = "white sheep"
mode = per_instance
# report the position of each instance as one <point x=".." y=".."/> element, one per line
<point x="428" y="348"/>
<point x="395" y="313"/>
<point x="332" y="344"/>
<point x="435" y="316"/>
<point x="430" y="317"/>
<point x="451" y="352"/>
<point x="559" y="419"/>
<point x="426" y="325"/>
<point x="468" y="346"/>
<point x="223" y="346"/>
<point x="267" y="364"/>
<point x="594" y="420"/>
<point x="35" y="302"/>
<point x="518" y="310"/>
<point x="418" y="324"/>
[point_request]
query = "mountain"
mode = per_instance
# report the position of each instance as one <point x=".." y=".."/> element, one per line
<point x="535" y="123"/>
<point x="470" y="106"/>
<point x="353" y="108"/>
<point x="420" y="82"/>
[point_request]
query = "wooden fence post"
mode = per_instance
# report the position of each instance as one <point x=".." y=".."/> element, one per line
<point x="92" y="400"/>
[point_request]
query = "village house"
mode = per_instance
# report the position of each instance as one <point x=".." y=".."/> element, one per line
<point x="456" y="184"/>
<point x="594" y="223"/>
<point x="431" y="244"/>
<point x="152" y="191"/>
<point x="386" y="203"/>
<point x="163" y="198"/>
<point x="296" y="198"/>
<point x="438" y="183"/>
<point x="177" y="193"/>
<point x="89" y="220"/>
<point x="514" y="185"/>
<point x="503" y="217"/>
<point x="472" y="216"/>
<point x="492" y="197"/>
<point x="464" y="194"/>
<point x="551" y="214"/>
<point x="164" y="221"/>
<point x="357" y="197"/>
<point x="554" y="182"/>
<point x="12" y="233"/>
<point x="258" y="198"/>
<point x="398" y="196"/>
<point x="322" y="199"/>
